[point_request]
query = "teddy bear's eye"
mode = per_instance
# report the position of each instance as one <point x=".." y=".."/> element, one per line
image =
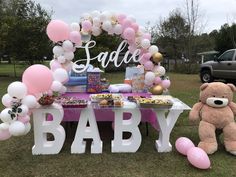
<point x="223" y="96"/>
<point x="214" y="96"/>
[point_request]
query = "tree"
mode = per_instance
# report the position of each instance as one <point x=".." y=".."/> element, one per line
<point x="172" y="34"/>
<point x="23" y="32"/>
<point x="225" y="38"/>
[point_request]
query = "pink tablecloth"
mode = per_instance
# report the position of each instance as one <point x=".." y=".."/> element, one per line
<point x="73" y="114"/>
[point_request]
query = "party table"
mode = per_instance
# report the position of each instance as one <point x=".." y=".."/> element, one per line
<point x="157" y="117"/>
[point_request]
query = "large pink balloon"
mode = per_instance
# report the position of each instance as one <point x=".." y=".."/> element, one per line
<point x="183" y="144"/>
<point x="37" y="78"/>
<point x="58" y="30"/>
<point x="198" y="158"/>
<point x="4" y="134"/>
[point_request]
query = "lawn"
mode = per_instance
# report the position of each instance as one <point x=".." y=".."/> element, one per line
<point x="16" y="158"/>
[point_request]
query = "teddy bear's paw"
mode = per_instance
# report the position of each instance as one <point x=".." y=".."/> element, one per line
<point x="232" y="152"/>
<point x="209" y="148"/>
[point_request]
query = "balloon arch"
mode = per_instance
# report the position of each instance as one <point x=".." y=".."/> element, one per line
<point x="38" y="80"/>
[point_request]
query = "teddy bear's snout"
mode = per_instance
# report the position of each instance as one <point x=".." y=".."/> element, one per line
<point x="217" y="102"/>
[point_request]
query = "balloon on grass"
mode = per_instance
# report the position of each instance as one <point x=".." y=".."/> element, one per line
<point x="4" y="134"/>
<point x="183" y="144"/>
<point x="17" y="128"/>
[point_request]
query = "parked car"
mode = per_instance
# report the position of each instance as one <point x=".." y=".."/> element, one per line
<point x="223" y="67"/>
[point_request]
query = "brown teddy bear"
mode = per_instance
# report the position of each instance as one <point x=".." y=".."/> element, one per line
<point x="216" y="110"/>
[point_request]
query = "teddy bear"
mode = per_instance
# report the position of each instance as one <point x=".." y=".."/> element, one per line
<point x="215" y="110"/>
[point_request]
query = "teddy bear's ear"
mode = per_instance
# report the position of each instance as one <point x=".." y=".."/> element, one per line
<point x="232" y="87"/>
<point x="203" y="86"/>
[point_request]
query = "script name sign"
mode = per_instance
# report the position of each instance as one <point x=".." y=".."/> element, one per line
<point x="105" y="58"/>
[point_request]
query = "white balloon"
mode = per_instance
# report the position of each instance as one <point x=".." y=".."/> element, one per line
<point x="95" y="13"/>
<point x="23" y="110"/>
<point x="69" y="55"/>
<point x="27" y="128"/>
<point x="5" y="116"/>
<point x="153" y="49"/>
<point x="131" y="18"/>
<point x="150" y="76"/>
<point x="17" y="128"/>
<point x="148" y="82"/>
<point x="106" y="15"/>
<point x="63" y="90"/>
<point x="7" y="100"/>
<point x="75" y="26"/>
<point x="60" y="75"/>
<point x="17" y="89"/>
<point x="145" y="43"/>
<point x="67" y="46"/>
<point x="161" y="70"/>
<point x="61" y="59"/>
<point x="4" y="126"/>
<point x="118" y="29"/>
<point x="86" y="16"/>
<point x="56" y="86"/>
<point x="30" y="101"/>
<point x="142" y="29"/>
<point x="57" y="50"/>
<point x="107" y="25"/>
<point x="96" y="21"/>
<point x="96" y="31"/>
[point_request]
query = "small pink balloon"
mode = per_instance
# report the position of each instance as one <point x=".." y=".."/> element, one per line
<point x="157" y="80"/>
<point x="37" y="78"/>
<point x="147" y="56"/>
<point x="148" y="65"/>
<point x="54" y="64"/>
<point x="24" y="119"/>
<point x="132" y="48"/>
<point x="4" y="134"/>
<point x="147" y="36"/>
<point x="165" y="84"/>
<point x="75" y="37"/>
<point x="198" y="158"/>
<point x="58" y="30"/>
<point x="135" y="27"/>
<point x="142" y="59"/>
<point x="129" y="34"/>
<point x="183" y="145"/>
<point x="120" y="18"/>
<point x="126" y="23"/>
<point x="86" y="25"/>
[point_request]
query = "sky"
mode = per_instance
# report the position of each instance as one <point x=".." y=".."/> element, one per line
<point x="214" y="13"/>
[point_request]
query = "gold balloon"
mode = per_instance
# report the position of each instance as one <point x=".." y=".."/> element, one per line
<point x="157" y="57"/>
<point x="156" y="90"/>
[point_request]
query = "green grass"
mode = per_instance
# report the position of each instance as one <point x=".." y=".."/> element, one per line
<point x="16" y="158"/>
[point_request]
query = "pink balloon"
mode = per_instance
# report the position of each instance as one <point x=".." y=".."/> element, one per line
<point x="86" y="25"/>
<point x="129" y="34"/>
<point x="126" y="23"/>
<point x="165" y="84"/>
<point x="183" y="145"/>
<point x="54" y="64"/>
<point x="148" y="65"/>
<point x="24" y="119"/>
<point x="75" y="37"/>
<point x="142" y="59"/>
<point x="135" y="27"/>
<point x="132" y="48"/>
<point x="198" y="158"/>
<point x="147" y="56"/>
<point x="4" y="135"/>
<point x="157" y="80"/>
<point x="37" y="78"/>
<point x="120" y="18"/>
<point x="147" y="36"/>
<point x="58" y="30"/>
